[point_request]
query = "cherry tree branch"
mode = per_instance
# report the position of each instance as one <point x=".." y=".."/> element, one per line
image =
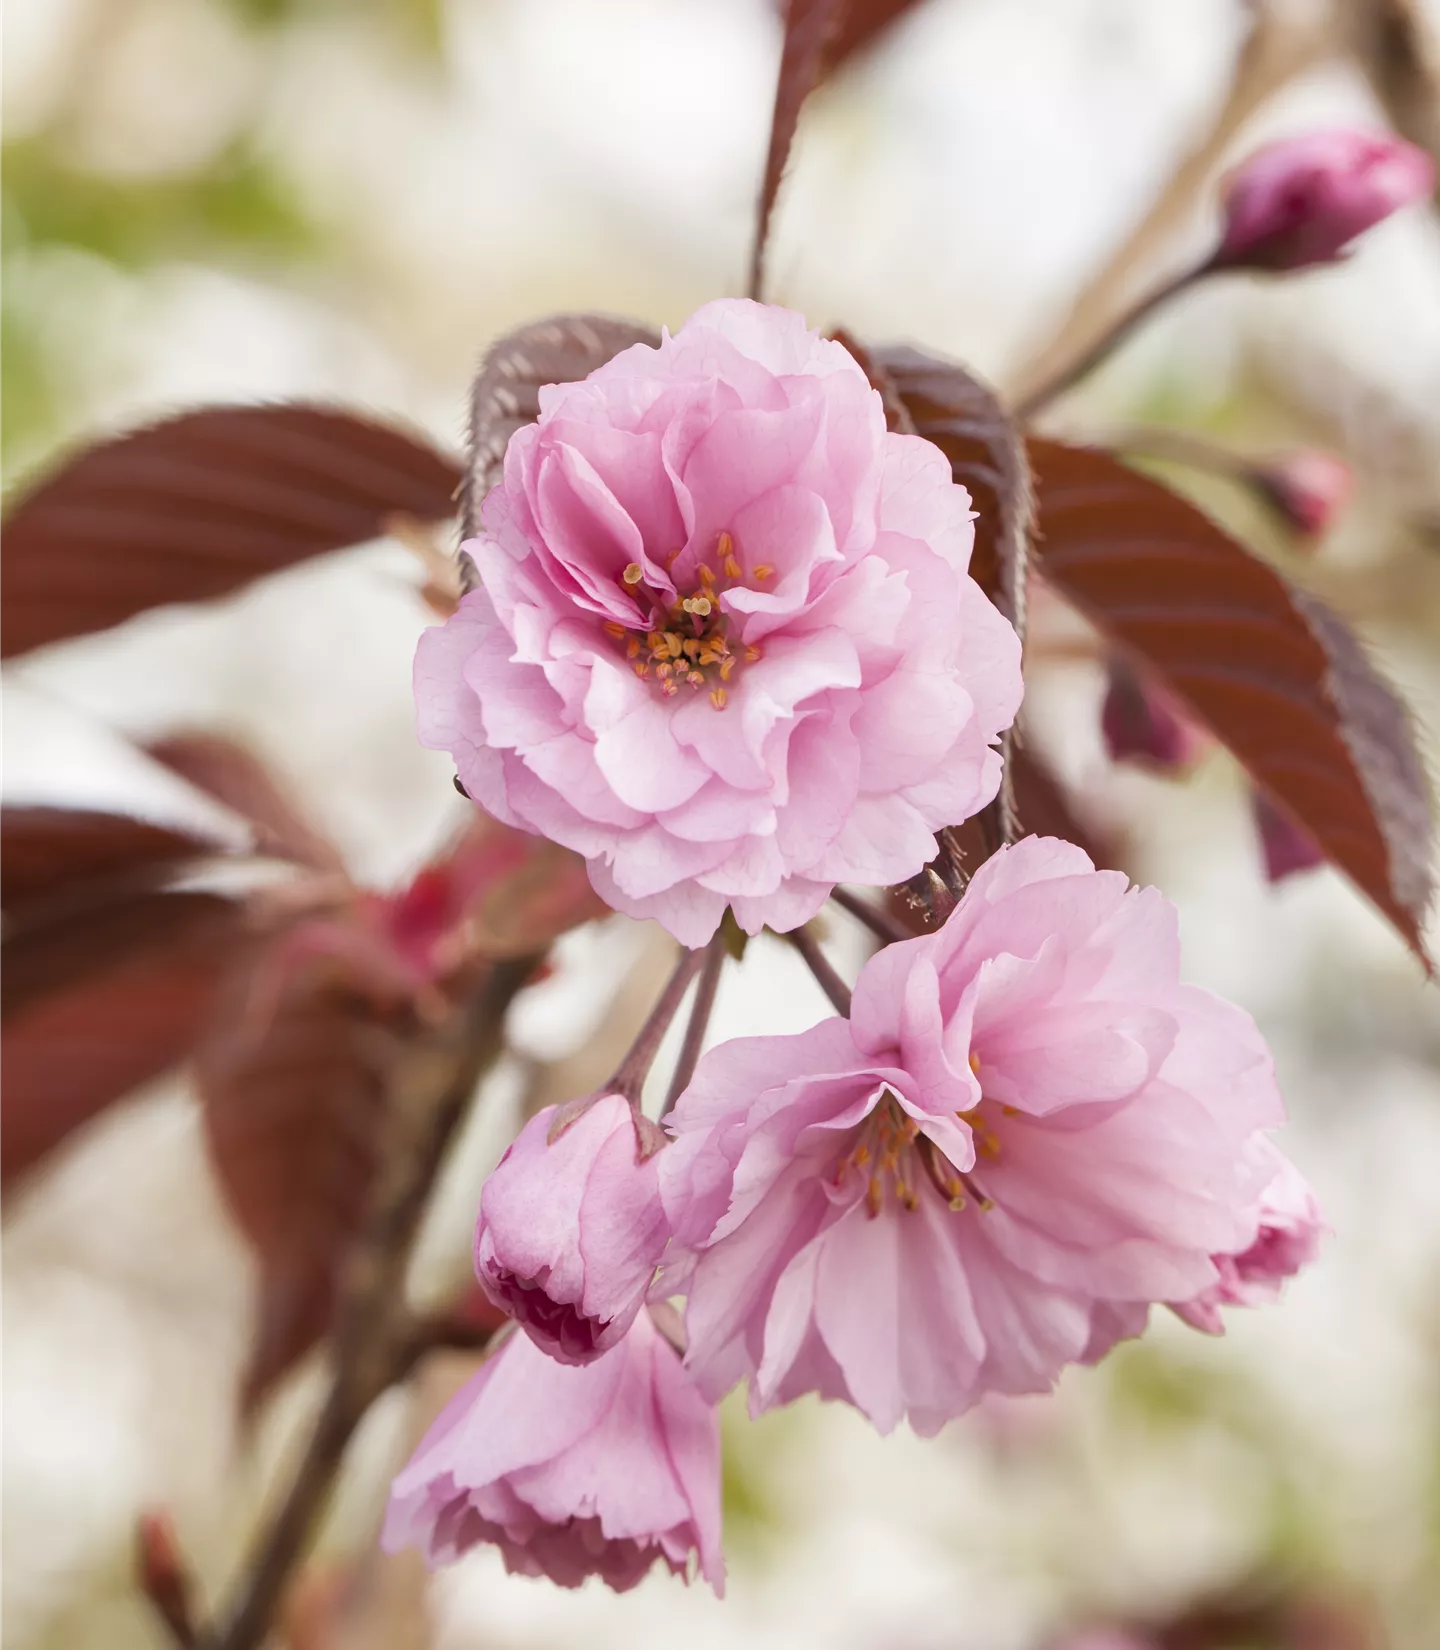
<point x="377" y="1340"/>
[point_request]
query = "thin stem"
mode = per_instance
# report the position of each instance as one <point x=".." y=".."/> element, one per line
<point x="699" y="1021"/>
<point x="371" y="1341"/>
<point x="887" y="929"/>
<point x="819" y="965"/>
<point x="1181" y="447"/>
<point x="630" y="1074"/>
<point x="1041" y="397"/>
<point x="1279" y="46"/>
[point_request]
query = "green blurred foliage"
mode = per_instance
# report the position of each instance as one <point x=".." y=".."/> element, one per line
<point x="237" y="206"/>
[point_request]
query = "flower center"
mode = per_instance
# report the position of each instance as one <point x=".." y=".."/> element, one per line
<point x="896" y="1158"/>
<point x="688" y="642"/>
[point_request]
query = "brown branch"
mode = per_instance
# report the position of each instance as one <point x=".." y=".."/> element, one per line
<point x="1276" y="50"/>
<point x="375" y="1336"/>
<point x="819" y="965"/>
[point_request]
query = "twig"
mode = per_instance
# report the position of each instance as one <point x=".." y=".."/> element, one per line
<point x="819" y="965"/>
<point x="881" y="924"/>
<point x="1110" y="340"/>
<point x="1275" y="50"/>
<point x="630" y="1074"/>
<point x="375" y="1337"/>
<point x="699" y="1020"/>
<point x="1182" y="447"/>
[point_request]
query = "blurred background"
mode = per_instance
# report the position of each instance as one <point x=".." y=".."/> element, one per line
<point x="348" y="199"/>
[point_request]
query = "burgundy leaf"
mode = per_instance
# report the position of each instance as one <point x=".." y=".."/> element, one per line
<point x="201" y="504"/>
<point x="53" y="947"/>
<point x="295" y="1086"/>
<point x="812" y="28"/>
<point x="238" y="778"/>
<point x="69" y="1052"/>
<point x="945" y="403"/>
<point x="949" y="405"/>
<point x="47" y="852"/>
<point x="862" y="22"/>
<point x="506" y="393"/>
<point x="1272" y="673"/>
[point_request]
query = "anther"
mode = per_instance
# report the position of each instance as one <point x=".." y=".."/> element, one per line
<point x="633" y="573"/>
<point x="718" y="697"/>
<point x="613" y="629"/>
<point x="763" y="571"/>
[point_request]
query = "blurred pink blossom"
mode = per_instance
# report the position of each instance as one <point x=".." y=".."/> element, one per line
<point x="1284" y="847"/>
<point x="1291" y="1226"/>
<point x="1027" y="1132"/>
<point x="1143" y="723"/>
<point x="570" y="1230"/>
<point x="1301" y="201"/>
<point x="725" y="644"/>
<point x="1308" y="488"/>
<point x="571" y="1472"/>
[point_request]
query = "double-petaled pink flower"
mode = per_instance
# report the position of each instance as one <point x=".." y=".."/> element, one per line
<point x="725" y="643"/>
<point x="1288" y="1239"/>
<point x="570" y="1229"/>
<point x="1027" y="1132"/>
<point x="1302" y="200"/>
<point x="571" y="1472"/>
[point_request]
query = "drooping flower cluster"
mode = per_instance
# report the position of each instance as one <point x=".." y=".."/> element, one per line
<point x="726" y="647"/>
<point x="725" y="644"/>
<point x="1027" y="1132"/>
<point x="571" y="1472"/>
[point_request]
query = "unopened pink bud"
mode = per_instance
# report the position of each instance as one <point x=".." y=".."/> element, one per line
<point x="1285" y="847"/>
<point x="1309" y="489"/>
<point x="571" y="1229"/>
<point x="1301" y="201"/>
<point x="1142" y="723"/>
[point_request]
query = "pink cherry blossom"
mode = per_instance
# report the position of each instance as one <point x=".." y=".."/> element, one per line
<point x="1301" y="201"/>
<point x="571" y="1472"/>
<point x="725" y="643"/>
<point x="1285" y="848"/>
<point x="1291" y="1226"/>
<point x="570" y="1230"/>
<point x="1142" y="723"/>
<point x="1308" y="488"/>
<point x="1027" y="1132"/>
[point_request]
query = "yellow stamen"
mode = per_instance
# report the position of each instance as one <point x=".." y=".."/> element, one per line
<point x="642" y="669"/>
<point x="727" y="664"/>
<point x="874" y="1196"/>
<point x="718" y="697"/>
<point x="975" y="1064"/>
<point x="732" y="567"/>
<point x="763" y="571"/>
<point x="723" y="546"/>
<point x="613" y="629"/>
<point x="633" y="573"/>
<point x="707" y="578"/>
<point x="632" y="647"/>
<point x="752" y="654"/>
